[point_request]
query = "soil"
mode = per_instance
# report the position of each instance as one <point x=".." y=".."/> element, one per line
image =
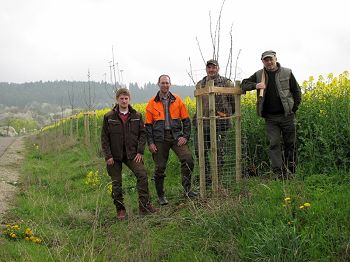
<point x="11" y="156"/>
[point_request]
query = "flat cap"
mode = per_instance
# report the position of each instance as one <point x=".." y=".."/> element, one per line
<point x="268" y="53"/>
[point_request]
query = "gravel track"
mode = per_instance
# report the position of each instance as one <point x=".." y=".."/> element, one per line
<point x="11" y="157"/>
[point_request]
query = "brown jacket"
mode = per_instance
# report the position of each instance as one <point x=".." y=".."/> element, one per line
<point x="120" y="140"/>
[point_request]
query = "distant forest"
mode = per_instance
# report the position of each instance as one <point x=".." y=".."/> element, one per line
<point x="93" y="95"/>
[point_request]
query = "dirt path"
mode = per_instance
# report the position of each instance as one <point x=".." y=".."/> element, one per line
<point x="11" y="156"/>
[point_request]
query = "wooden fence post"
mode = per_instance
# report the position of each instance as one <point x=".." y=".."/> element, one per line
<point x="71" y="119"/>
<point x="238" y="134"/>
<point x="87" y="128"/>
<point x="213" y="140"/>
<point x="200" y="145"/>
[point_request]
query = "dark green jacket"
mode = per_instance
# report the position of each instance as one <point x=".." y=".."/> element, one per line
<point x="224" y="104"/>
<point x="288" y="89"/>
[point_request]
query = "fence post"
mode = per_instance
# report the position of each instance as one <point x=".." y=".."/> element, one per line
<point x="200" y="145"/>
<point x="238" y="133"/>
<point x="213" y="139"/>
<point x="77" y="125"/>
<point x="71" y="119"/>
<point x="87" y="128"/>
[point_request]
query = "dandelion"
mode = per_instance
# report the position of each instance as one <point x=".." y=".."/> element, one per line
<point x="93" y="178"/>
<point x="307" y="205"/>
<point x="302" y="207"/>
<point x="28" y="232"/>
<point x="36" y="240"/>
<point x="287" y="199"/>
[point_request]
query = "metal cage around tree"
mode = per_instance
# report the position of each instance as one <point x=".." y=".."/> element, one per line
<point x="218" y="145"/>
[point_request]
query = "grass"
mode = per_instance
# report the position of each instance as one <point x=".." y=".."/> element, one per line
<point x="259" y="219"/>
<point x="77" y="221"/>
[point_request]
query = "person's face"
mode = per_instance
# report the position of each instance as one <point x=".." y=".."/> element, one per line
<point x="123" y="101"/>
<point x="164" y="84"/>
<point x="212" y="71"/>
<point x="270" y="63"/>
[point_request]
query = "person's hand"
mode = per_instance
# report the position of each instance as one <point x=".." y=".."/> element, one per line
<point x="260" y="86"/>
<point x="110" y="161"/>
<point x="181" y="141"/>
<point x="152" y="148"/>
<point x="138" y="158"/>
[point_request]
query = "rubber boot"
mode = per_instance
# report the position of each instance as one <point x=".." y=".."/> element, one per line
<point x="159" y="183"/>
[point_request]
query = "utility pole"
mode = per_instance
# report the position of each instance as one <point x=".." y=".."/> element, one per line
<point x="110" y="71"/>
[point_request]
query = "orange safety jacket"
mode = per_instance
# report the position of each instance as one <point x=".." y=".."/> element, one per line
<point x="155" y="119"/>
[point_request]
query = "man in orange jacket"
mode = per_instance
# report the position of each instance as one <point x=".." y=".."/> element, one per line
<point x="168" y="126"/>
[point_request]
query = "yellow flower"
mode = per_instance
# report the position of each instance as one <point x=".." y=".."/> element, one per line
<point x="16" y="227"/>
<point x="13" y="235"/>
<point x="109" y="188"/>
<point x="307" y="204"/>
<point x="26" y="238"/>
<point x="36" y="240"/>
<point x="28" y="232"/>
<point x="290" y="222"/>
<point x="301" y="207"/>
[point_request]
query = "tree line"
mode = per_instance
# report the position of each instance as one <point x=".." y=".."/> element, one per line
<point x="77" y="94"/>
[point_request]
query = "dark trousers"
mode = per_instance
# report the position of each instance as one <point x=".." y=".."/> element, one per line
<point x="161" y="158"/>
<point x="277" y="125"/>
<point x="115" y="172"/>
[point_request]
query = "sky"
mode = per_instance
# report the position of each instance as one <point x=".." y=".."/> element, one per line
<point x="52" y="40"/>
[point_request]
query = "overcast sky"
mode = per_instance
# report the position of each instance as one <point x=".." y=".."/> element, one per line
<point x="61" y="40"/>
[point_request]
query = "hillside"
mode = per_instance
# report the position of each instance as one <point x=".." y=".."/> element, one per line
<point x="74" y="94"/>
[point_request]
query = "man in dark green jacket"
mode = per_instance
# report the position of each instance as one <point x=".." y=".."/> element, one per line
<point x="224" y="107"/>
<point x="123" y="140"/>
<point x="278" y="98"/>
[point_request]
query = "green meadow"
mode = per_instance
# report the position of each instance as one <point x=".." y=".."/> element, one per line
<point x="64" y="212"/>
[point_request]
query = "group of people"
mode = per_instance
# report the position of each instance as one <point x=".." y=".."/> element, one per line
<point x="167" y="126"/>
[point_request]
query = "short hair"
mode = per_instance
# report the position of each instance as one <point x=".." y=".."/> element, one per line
<point x="122" y="91"/>
<point x="162" y="76"/>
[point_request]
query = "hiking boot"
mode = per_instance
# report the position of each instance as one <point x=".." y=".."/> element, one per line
<point x="191" y="194"/>
<point x="162" y="200"/>
<point x="148" y="209"/>
<point x="121" y="214"/>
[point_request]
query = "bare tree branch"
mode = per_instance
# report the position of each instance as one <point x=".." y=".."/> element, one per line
<point x="190" y="73"/>
<point x="229" y="59"/>
<point x="218" y="30"/>
<point x="213" y="38"/>
<point x="200" y="50"/>
<point x="239" y="52"/>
